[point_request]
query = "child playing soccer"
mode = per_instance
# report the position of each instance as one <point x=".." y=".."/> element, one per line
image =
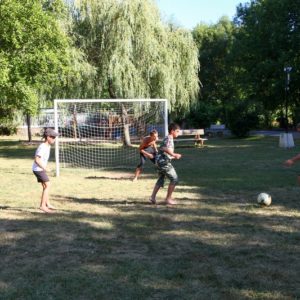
<point x="294" y="159"/>
<point x="148" y="149"/>
<point x="39" y="168"/>
<point x="165" y="169"/>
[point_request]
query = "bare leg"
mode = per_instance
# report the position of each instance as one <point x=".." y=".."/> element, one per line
<point x="200" y="142"/>
<point x="154" y="192"/>
<point x="48" y="202"/>
<point x="45" y="196"/>
<point x="171" y="189"/>
<point x="137" y="174"/>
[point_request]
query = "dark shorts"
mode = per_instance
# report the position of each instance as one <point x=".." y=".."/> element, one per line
<point x="143" y="158"/>
<point x="166" y="170"/>
<point x="41" y="176"/>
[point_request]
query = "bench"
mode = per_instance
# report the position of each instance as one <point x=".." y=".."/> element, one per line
<point x="216" y="130"/>
<point x="186" y="134"/>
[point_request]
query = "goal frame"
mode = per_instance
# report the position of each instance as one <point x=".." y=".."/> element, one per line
<point x="57" y="101"/>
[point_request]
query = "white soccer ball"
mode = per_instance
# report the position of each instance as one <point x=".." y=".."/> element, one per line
<point x="264" y="199"/>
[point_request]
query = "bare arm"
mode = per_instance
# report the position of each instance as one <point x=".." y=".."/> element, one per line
<point x="39" y="162"/>
<point x="145" y="153"/>
<point x="171" y="152"/>
<point x="144" y="144"/>
<point x="292" y="160"/>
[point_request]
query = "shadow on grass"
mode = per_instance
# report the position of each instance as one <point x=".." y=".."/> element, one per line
<point x="148" y="253"/>
<point x="129" y="177"/>
<point x="95" y="201"/>
<point x="220" y="246"/>
<point x="4" y="207"/>
<point x="15" y="149"/>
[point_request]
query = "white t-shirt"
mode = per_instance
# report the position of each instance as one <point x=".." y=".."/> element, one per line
<point x="43" y="151"/>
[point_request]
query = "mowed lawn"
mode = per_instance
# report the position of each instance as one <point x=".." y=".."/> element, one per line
<point x="107" y="242"/>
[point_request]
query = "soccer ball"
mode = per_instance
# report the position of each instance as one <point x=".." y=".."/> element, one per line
<point x="264" y="199"/>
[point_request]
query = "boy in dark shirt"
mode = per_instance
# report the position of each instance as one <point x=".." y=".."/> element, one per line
<point x="165" y="169"/>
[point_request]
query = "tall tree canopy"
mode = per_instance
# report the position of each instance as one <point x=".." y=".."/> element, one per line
<point x="37" y="56"/>
<point x="268" y="40"/>
<point x="135" y="54"/>
<point x="33" y="52"/>
<point x="214" y="44"/>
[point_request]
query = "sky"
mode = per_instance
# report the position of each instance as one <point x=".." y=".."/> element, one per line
<point x="189" y="13"/>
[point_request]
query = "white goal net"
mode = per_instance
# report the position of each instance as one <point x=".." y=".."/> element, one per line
<point x="105" y="133"/>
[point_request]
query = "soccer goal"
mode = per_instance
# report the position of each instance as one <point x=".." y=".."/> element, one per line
<point x="105" y="133"/>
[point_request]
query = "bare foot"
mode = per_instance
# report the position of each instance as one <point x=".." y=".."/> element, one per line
<point x="170" y="202"/>
<point x="134" y="179"/>
<point x="46" y="210"/>
<point x="51" y="206"/>
<point x="152" y="200"/>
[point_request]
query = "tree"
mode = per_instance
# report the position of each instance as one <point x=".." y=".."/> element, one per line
<point x="35" y="54"/>
<point x="135" y="54"/>
<point x="268" y="40"/>
<point x="216" y="74"/>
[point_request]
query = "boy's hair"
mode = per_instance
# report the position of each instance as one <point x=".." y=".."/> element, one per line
<point x="298" y="125"/>
<point x="153" y="131"/>
<point x="173" y="126"/>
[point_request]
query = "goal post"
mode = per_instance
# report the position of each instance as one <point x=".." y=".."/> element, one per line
<point x="105" y="133"/>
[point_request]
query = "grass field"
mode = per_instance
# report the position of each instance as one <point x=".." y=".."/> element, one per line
<point x="107" y="242"/>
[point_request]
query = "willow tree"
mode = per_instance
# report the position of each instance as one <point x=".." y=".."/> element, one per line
<point x="135" y="53"/>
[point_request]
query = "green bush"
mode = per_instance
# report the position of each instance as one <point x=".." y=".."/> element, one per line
<point x="8" y="129"/>
<point x="241" y="119"/>
<point x="7" y="124"/>
<point x="202" y="116"/>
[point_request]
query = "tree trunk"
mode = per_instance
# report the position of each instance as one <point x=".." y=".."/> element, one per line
<point x="28" y="121"/>
<point x="75" y="124"/>
<point x="111" y="89"/>
<point x="126" y="132"/>
<point x="126" y="125"/>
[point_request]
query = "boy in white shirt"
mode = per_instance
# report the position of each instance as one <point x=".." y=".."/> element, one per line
<point x="41" y="158"/>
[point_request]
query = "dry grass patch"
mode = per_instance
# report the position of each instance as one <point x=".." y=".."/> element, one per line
<point x="107" y="242"/>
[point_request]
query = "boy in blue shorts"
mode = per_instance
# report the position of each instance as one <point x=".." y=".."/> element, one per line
<point x="165" y="169"/>
<point x="41" y="158"/>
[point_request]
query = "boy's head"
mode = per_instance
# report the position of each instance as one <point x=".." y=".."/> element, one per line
<point x="174" y="129"/>
<point x="154" y="134"/>
<point x="50" y="135"/>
